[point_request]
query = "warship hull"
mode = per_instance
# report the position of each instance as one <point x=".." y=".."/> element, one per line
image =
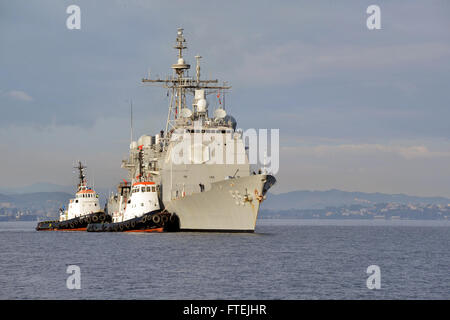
<point x="228" y="206"/>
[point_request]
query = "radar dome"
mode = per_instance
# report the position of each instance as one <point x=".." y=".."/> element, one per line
<point x="220" y="113"/>
<point x="186" y="113"/>
<point x="202" y="104"/>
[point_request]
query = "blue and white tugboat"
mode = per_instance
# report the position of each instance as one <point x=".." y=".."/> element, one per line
<point x="82" y="210"/>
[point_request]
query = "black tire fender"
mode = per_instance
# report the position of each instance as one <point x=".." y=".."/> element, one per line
<point x="156" y="218"/>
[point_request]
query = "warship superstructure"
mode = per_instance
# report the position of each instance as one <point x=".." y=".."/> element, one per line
<point x="199" y="159"/>
<point x="82" y="210"/>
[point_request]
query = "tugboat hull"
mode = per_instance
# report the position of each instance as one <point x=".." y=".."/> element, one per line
<point x="75" y="224"/>
<point x="155" y="221"/>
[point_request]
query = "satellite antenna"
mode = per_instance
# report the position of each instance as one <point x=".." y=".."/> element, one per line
<point x="186" y="113"/>
<point x="220" y="113"/>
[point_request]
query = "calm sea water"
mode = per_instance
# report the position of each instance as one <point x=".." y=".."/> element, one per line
<point x="284" y="259"/>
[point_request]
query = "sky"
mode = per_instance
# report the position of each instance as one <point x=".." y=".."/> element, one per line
<point x="357" y="109"/>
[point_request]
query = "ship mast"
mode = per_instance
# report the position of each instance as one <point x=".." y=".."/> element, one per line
<point x="180" y="84"/>
<point x="81" y="175"/>
<point x="141" y="166"/>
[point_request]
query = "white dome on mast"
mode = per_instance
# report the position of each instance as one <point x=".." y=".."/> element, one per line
<point x="202" y="105"/>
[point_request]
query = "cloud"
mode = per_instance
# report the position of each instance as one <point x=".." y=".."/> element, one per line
<point x="308" y="68"/>
<point x="355" y="150"/>
<point x="393" y="167"/>
<point x="294" y="61"/>
<point x="19" y="95"/>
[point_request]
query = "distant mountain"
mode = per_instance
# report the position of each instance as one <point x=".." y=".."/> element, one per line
<point x="43" y="200"/>
<point x="46" y="187"/>
<point x="31" y="205"/>
<point x="5" y="198"/>
<point x="37" y="199"/>
<point x="51" y="193"/>
<point x="37" y="203"/>
<point x="38" y="187"/>
<point x="337" y="198"/>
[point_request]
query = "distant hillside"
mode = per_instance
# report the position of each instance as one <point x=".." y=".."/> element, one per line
<point x="40" y="199"/>
<point x="337" y="198"/>
<point x="39" y="204"/>
<point x="48" y="203"/>
<point x="38" y="187"/>
<point x="44" y="187"/>
<point x="36" y="200"/>
<point x="5" y="198"/>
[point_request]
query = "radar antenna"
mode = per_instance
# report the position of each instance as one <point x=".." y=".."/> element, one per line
<point x="141" y="167"/>
<point x="181" y="84"/>
<point x="81" y="175"/>
<point x="198" y="57"/>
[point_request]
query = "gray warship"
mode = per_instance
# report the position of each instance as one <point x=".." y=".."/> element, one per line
<point x="198" y="161"/>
